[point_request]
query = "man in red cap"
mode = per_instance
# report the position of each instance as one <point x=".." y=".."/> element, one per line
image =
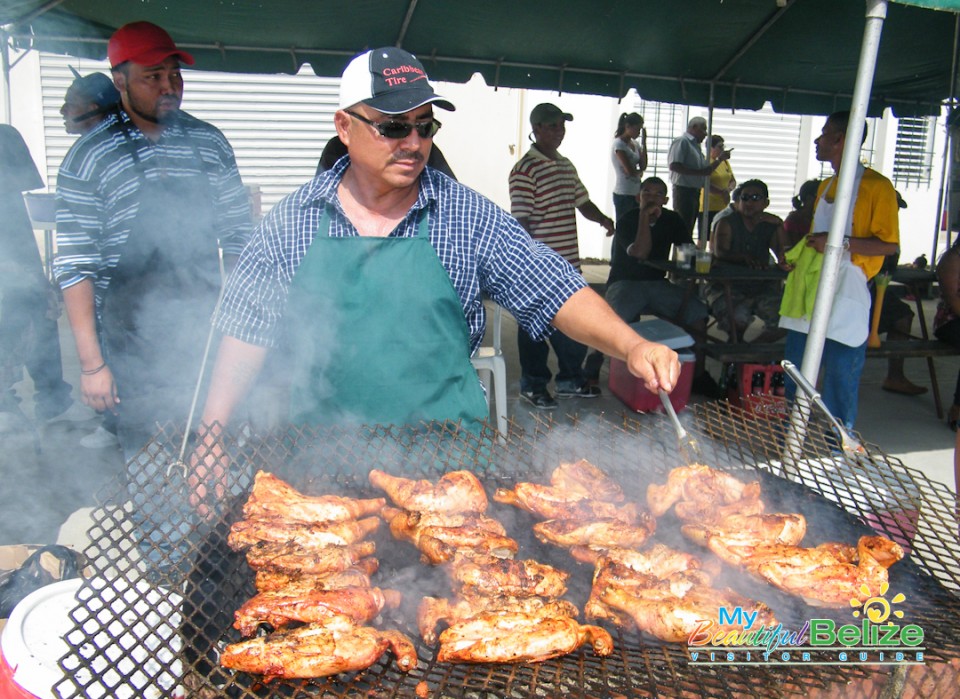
<point x="146" y="205"/>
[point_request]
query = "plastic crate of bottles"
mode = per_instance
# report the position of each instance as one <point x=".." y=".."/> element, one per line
<point x="760" y="389"/>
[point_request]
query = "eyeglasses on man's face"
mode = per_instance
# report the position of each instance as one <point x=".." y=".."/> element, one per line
<point x="752" y="197"/>
<point x="393" y="129"/>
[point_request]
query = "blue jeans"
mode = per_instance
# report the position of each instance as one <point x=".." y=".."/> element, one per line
<point x="534" y="373"/>
<point x="842" y="366"/>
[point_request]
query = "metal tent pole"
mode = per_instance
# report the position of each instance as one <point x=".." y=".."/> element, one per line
<point x="843" y="203"/>
<point x="943" y="195"/>
<point x="705" y="191"/>
<point x="5" y="60"/>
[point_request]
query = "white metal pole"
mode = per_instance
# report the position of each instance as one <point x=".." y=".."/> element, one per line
<point x="705" y="191"/>
<point x="843" y="203"/>
<point x="5" y="60"/>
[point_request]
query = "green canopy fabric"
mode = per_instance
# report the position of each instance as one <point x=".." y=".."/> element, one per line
<point x="801" y="55"/>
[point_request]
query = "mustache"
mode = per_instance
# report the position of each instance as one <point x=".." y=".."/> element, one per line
<point x="414" y="155"/>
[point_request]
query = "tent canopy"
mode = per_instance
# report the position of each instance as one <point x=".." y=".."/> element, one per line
<point x="801" y="55"/>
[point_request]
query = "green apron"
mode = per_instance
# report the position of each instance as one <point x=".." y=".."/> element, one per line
<point x="378" y="335"/>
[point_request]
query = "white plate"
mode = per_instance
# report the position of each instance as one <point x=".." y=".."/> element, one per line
<point x="32" y="640"/>
<point x="130" y="627"/>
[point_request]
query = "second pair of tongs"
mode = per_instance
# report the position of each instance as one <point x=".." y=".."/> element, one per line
<point x="848" y="442"/>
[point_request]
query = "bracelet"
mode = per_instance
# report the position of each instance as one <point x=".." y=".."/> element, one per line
<point x="91" y="372"/>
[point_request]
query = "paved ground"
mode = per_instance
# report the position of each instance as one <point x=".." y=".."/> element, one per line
<point x="46" y="475"/>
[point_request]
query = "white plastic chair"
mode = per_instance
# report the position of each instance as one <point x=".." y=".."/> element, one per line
<point x="42" y="209"/>
<point x="489" y="361"/>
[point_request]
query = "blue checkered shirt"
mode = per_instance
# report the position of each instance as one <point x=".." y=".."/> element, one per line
<point x="482" y="248"/>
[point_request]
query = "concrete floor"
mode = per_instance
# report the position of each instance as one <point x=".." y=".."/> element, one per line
<point x="47" y="475"/>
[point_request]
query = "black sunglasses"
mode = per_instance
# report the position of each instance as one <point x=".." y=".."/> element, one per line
<point x="400" y="129"/>
<point x="752" y="197"/>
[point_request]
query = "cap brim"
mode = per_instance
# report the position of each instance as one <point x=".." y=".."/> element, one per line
<point x="404" y="101"/>
<point x="154" y="57"/>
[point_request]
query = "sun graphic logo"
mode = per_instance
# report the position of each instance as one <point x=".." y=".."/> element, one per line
<point x="878" y="609"/>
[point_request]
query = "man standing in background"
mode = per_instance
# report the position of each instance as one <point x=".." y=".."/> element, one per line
<point x="689" y="169"/>
<point x="29" y="338"/>
<point x="871" y="232"/>
<point x="87" y="101"/>
<point x="145" y="203"/>
<point x="545" y="194"/>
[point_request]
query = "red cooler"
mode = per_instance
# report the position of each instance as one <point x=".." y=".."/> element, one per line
<point x="631" y="390"/>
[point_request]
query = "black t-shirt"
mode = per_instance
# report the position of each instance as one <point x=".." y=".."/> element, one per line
<point x="669" y="229"/>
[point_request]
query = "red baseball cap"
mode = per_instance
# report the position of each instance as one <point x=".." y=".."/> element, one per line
<point x="145" y="44"/>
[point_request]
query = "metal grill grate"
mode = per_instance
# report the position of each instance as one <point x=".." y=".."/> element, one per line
<point x="179" y="583"/>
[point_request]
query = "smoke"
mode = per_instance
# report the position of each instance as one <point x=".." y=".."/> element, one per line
<point x="46" y="476"/>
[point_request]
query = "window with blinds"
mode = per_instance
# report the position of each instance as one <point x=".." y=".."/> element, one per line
<point x="913" y="157"/>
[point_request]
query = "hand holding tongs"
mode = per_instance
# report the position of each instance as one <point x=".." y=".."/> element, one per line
<point x="682" y="435"/>
<point x="847" y="441"/>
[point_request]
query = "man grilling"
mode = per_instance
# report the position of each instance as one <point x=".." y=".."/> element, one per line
<point x="145" y="203"/>
<point x="379" y="264"/>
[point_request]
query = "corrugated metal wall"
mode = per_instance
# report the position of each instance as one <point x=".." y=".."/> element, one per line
<point x="277" y="124"/>
<point x="766" y="145"/>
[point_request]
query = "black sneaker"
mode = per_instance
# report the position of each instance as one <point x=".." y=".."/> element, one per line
<point x="541" y="400"/>
<point x="584" y="391"/>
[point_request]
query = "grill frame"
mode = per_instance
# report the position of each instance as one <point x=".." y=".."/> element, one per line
<point x="633" y="450"/>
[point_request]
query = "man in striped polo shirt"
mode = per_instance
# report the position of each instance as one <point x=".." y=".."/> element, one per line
<point x="545" y="194"/>
<point x="146" y="203"/>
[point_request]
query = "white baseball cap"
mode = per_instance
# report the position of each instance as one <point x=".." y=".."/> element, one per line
<point x="390" y="80"/>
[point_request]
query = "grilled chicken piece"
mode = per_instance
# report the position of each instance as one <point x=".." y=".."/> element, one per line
<point x="268" y="580"/>
<point x="550" y="502"/>
<point x="585" y="478"/>
<point x="457" y="491"/>
<point x="750" y="556"/>
<point x="659" y="560"/>
<point x="247" y="532"/>
<point x="516" y="637"/>
<point x="433" y="610"/>
<point x="615" y="575"/>
<point x="288" y="556"/>
<point x="441" y="545"/>
<point x="823" y="576"/>
<point x="440" y="535"/>
<point x="280" y="607"/>
<point x="598" y="533"/>
<point x="672" y="610"/>
<point x="404" y="522"/>
<point x="491" y="576"/>
<point x="703" y="494"/>
<point x="272" y="498"/>
<point x="750" y="530"/>
<point x="317" y="650"/>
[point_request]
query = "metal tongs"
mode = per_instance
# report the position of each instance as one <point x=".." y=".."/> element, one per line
<point x="848" y="442"/>
<point x="686" y="441"/>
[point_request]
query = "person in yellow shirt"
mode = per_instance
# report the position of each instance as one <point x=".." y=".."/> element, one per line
<point x="873" y="233"/>
<point x="721" y="184"/>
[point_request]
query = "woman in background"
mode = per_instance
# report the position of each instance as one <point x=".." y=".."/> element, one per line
<point x="797" y="223"/>
<point x="629" y="161"/>
<point x="722" y="182"/>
